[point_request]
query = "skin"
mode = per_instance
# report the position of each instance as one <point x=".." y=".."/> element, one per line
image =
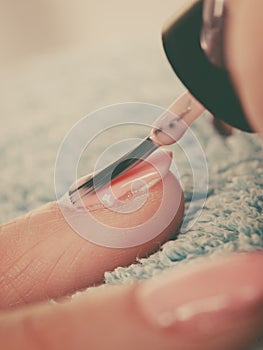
<point x="42" y="257"/>
<point x="244" y="56"/>
<point x="108" y="318"/>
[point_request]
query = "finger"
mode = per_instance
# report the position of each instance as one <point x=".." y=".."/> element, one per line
<point x="42" y="257"/>
<point x="244" y="55"/>
<point x="178" y="311"/>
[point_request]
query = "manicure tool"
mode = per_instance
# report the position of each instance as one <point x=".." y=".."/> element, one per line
<point x="193" y="41"/>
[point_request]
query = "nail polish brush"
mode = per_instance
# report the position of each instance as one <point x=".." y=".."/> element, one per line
<point x="193" y="41"/>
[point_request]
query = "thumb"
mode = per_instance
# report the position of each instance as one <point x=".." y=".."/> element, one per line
<point x="212" y="306"/>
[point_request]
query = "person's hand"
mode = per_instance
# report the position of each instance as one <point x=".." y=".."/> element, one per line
<point x="214" y="305"/>
<point x="244" y="55"/>
<point x="43" y="257"/>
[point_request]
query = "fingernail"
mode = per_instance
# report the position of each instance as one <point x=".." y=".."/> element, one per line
<point x="134" y="183"/>
<point x="205" y="298"/>
<point x="106" y="226"/>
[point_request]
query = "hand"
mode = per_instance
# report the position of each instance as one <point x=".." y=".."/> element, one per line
<point x="215" y="306"/>
<point x="42" y="257"/>
<point x="244" y="55"/>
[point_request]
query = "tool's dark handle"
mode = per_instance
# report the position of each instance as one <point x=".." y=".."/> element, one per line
<point x="211" y="85"/>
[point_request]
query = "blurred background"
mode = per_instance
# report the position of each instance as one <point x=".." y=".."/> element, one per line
<point x="59" y="61"/>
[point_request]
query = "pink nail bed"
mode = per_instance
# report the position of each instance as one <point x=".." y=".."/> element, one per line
<point x="128" y="194"/>
<point x="133" y="183"/>
<point x="213" y="294"/>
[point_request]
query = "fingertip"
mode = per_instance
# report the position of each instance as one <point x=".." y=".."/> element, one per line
<point x="156" y="204"/>
<point x="51" y="259"/>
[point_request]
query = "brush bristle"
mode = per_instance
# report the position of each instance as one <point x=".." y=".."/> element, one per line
<point x="112" y="171"/>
